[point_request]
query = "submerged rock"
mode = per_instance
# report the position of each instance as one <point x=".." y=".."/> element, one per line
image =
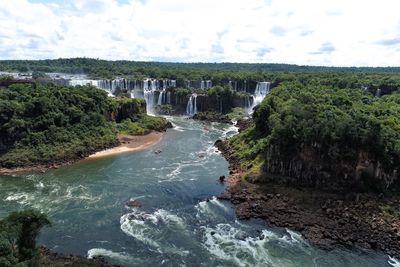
<point x="134" y="203"/>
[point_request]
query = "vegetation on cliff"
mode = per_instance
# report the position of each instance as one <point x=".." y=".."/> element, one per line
<point x="18" y="233"/>
<point x="52" y="124"/>
<point x="323" y="136"/>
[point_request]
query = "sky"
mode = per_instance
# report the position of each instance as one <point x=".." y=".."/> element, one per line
<point x="306" y="32"/>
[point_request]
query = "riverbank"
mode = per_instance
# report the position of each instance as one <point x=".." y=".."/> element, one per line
<point x="366" y="221"/>
<point x="126" y="143"/>
<point x="130" y="143"/>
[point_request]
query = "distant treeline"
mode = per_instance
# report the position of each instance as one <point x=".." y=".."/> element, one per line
<point x="108" y="69"/>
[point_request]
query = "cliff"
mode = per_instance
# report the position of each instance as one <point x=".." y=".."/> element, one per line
<point x="335" y="139"/>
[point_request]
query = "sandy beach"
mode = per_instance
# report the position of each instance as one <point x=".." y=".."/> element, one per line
<point x="130" y="143"/>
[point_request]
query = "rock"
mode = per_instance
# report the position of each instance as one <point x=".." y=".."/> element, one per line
<point x="222" y="178"/>
<point x="134" y="203"/>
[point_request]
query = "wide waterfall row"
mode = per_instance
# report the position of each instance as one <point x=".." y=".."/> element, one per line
<point x="147" y="84"/>
<point x="198" y="84"/>
<point x="191" y="107"/>
<point x="112" y="85"/>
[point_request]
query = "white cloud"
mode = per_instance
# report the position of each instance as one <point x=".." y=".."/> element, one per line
<point x="339" y="32"/>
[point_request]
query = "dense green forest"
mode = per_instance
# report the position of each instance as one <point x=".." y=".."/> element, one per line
<point x="299" y="125"/>
<point x="46" y="123"/>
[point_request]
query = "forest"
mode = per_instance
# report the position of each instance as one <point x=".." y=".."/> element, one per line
<point x="312" y="129"/>
<point x="45" y="124"/>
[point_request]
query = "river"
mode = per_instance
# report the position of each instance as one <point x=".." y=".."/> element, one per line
<point x="176" y="226"/>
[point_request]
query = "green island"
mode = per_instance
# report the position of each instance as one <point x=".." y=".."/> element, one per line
<point x="47" y="124"/>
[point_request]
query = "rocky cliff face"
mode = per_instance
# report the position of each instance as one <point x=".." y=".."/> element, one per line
<point x="311" y="167"/>
<point x="178" y="103"/>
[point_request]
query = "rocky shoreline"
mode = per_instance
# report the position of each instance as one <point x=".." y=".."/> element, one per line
<point x="50" y="258"/>
<point x="327" y="219"/>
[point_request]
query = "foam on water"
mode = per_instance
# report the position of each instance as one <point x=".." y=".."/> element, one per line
<point x="212" y="209"/>
<point x="228" y="242"/>
<point x="394" y="262"/>
<point x="145" y="227"/>
<point x="21" y="198"/>
<point x="120" y="256"/>
<point x="54" y="193"/>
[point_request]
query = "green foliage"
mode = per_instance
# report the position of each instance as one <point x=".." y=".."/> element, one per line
<point x="50" y="123"/>
<point x="18" y="233"/>
<point x="141" y="124"/>
<point x="339" y="122"/>
<point x="183" y="91"/>
<point x="6" y="78"/>
<point x="164" y="109"/>
<point x="236" y="113"/>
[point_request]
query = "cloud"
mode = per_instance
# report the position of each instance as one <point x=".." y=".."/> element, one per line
<point x="279" y="31"/>
<point x="389" y="42"/>
<point x="325" y="48"/>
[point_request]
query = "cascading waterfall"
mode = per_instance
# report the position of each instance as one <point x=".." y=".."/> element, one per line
<point x="262" y="89"/>
<point x="378" y="92"/>
<point x="191" y="107"/>
<point x="149" y="97"/>
<point x="248" y="107"/>
<point x="147" y="86"/>
<point x="161" y="98"/>
<point x="247" y="103"/>
<point x="199" y="84"/>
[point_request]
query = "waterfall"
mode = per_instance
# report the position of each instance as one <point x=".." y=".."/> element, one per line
<point x="262" y="89"/>
<point x="247" y="102"/>
<point x="169" y="98"/>
<point x="198" y="84"/>
<point x="144" y="88"/>
<point x="378" y="92"/>
<point x="160" y="98"/>
<point x="248" y="107"/>
<point x="208" y="84"/>
<point x="191" y="107"/>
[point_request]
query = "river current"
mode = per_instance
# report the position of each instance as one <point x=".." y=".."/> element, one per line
<point x="181" y="223"/>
